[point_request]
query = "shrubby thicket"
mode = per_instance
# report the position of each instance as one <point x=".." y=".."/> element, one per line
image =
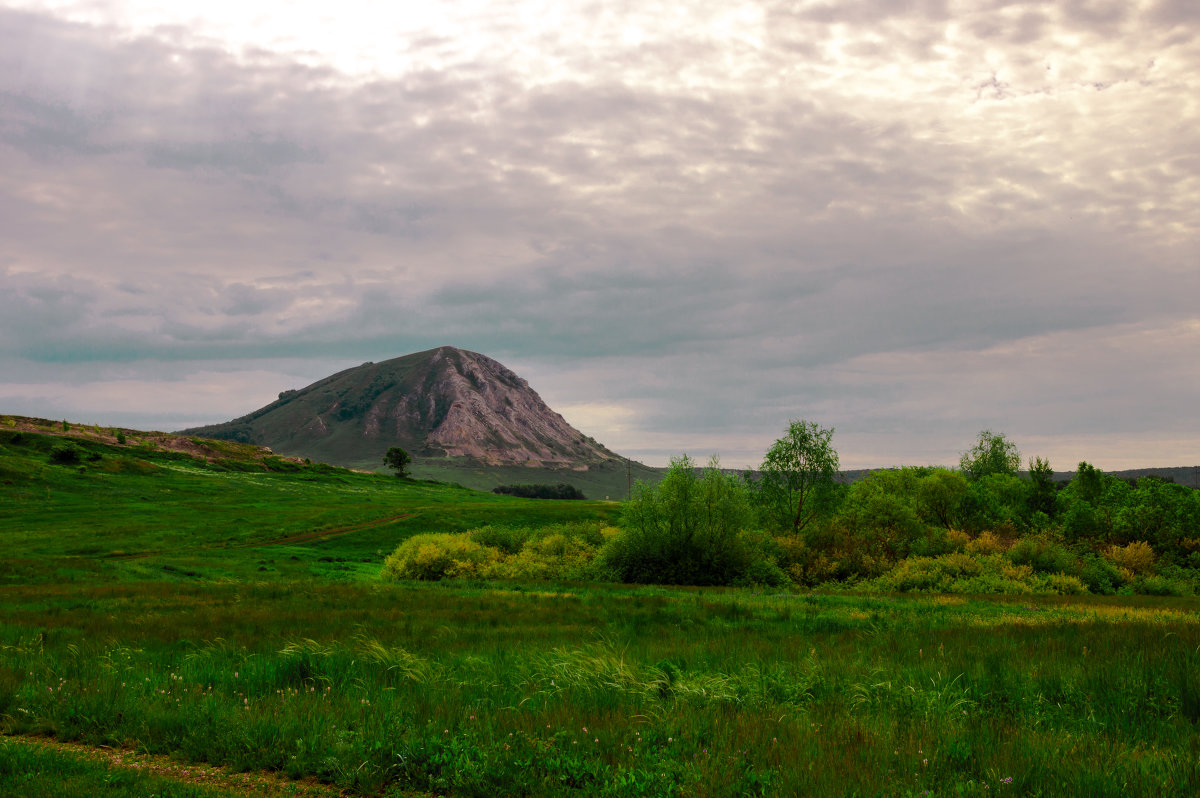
<point x="985" y="527"/>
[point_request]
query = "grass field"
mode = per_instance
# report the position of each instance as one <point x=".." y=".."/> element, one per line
<point x="218" y="612"/>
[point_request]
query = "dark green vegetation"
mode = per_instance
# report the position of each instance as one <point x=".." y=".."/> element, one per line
<point x="398" y="460"/>
<point x="612" y="481"/>
<point x="228" y="611"/>
<point x="560" y="491"/>
<point x="984" y="529"/>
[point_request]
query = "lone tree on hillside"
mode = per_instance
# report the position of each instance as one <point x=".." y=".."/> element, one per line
<point x="991" y="454"/>
<point x="797" y="475"/>
<point x="398" y="460"/>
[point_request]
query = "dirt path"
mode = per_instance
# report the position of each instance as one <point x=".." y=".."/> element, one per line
<point x="337" y="532"/>
<point x="259" y="783"/>
<point x="303" y="537"/>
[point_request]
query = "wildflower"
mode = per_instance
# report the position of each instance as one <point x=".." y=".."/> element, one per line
<point x="1007" y="780"/>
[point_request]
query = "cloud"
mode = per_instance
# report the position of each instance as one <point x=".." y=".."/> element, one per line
<point x="718" y="219"/>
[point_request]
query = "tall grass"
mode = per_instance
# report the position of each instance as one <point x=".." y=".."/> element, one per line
<point x="482" y="690"/>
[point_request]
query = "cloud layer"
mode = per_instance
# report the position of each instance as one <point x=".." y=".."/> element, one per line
<point x="683" y="224"/>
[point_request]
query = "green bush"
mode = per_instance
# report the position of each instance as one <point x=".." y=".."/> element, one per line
<point x="1043" y="554"/>
<point x="558" y="551"/>
<point x="1059" y="583"/>
<point x="1161" y="586"/>
<point x="505" y="539"/>
<point x="65" y="455"/>
<point x="438" y="556"/>
<point x="1100" y="575"/>
<point x="686" y="530"/>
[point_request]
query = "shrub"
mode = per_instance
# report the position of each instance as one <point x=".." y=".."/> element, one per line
<point x="1161" y="586"/>
<point x="1043" y="554"/>
<point x="560" y="491"/>
<point x="957" y="539"/>
<point x="1137" y="557"/>
<point x="555" y="556"/>
<point x="65" y="455"/>
<point x="686" y="530"/>
<point x="986" y="543"/>
<point x="438" y="556"/>
<point x="507" y="540"/>
<point x="1100" y="575"/>
<point x="1060" y="583"/>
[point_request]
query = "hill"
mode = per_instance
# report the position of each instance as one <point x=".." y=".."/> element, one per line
<point x="463" y="416"/>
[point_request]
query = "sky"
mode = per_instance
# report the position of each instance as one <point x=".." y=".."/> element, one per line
<point x="684" y="223"/>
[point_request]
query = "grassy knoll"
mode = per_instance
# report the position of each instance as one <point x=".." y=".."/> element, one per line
<point x="225" y="613"/>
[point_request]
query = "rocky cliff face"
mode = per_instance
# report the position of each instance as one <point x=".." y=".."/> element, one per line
<point x="445" y="402"/>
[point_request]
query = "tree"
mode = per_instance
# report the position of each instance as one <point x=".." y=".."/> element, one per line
<point x="398" y="460"/>
<point x="686" y="530"/>
<point x="992" y="454"/>
<point x="1043" y="498"/>
<point x="797" y="475"/>
<point x="941" y="493"/>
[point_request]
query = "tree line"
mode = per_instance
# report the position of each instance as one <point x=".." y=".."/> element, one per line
<point x="983" y="526"/>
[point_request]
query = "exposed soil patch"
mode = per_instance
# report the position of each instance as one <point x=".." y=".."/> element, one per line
<point x="257" y="783"/>
<point x="307" y="537"/>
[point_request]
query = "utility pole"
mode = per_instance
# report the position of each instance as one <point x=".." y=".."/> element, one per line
<point x="628" y="479"/>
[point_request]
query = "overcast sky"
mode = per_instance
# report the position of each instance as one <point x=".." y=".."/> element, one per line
<point x="684" y="223"/>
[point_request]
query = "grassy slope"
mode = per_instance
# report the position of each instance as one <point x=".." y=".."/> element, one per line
<point x="154" y="601"/>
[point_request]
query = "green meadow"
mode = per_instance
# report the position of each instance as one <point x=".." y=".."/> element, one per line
<point x="230" y="611"/>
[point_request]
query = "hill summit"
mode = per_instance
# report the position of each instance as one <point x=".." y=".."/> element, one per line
<point x="441" y="403"/>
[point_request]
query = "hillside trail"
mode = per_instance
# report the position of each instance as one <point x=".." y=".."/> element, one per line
<point x="302" y="537"/>
<point x="257" y="784"/>
<point x="324" y="534"/>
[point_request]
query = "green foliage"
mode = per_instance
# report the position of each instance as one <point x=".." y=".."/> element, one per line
<point x="991" y="454"/>
<point x="883" y="512"/>
<point x="560" y="491"/>
<point x="120" y="438"/>
<point x="941" y="493"/>
<point x="66" y="454"/>
<point x="796" y="480"/>
<point x="1043" y="492"/>
<point x="686" y="530"/>
<point x="398" y="460"/>
<point x="996" y="501"/>
<point x="1089" y="482"/>
<point x="566" y="552"/>
<point x="1043" y="554"/>
<point x="438" y="556"/>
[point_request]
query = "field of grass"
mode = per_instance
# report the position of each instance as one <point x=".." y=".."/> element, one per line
<point x="228" y="612"/>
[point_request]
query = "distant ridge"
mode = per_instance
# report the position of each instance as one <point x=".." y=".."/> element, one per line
<point x="444" y="403"/>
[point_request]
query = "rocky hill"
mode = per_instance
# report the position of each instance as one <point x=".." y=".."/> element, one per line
<point x="445" y="403"/>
